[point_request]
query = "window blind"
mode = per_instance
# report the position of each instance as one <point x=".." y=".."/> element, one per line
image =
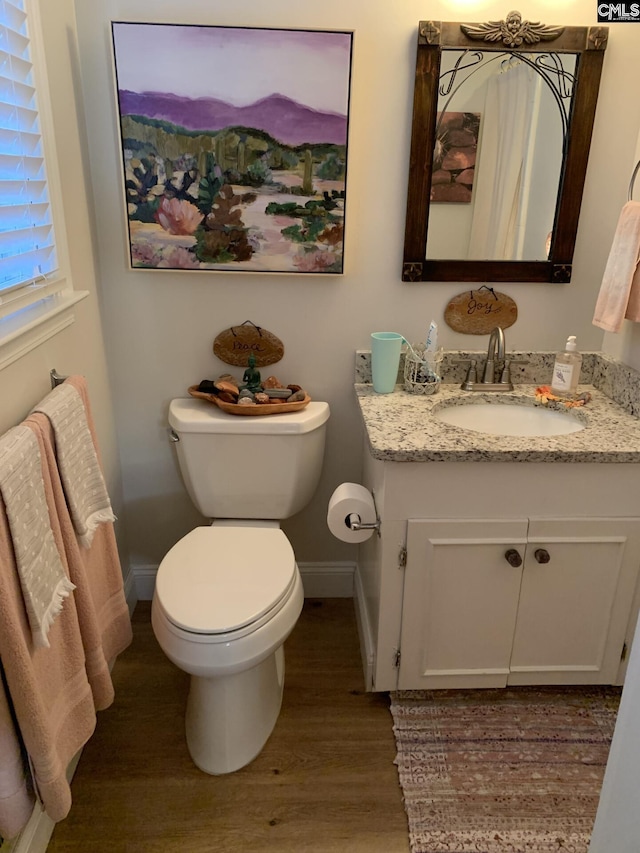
<point x="27" y="239"/>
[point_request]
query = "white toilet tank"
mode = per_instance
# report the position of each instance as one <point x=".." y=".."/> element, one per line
<point x="234" y="466"/>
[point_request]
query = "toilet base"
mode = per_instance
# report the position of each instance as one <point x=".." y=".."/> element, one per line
<point x="230" y="718"/>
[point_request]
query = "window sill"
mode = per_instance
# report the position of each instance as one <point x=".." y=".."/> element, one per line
<point x="27" y="329"/>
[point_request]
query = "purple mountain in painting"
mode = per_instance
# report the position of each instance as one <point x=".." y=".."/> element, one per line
<point x="286" y="120"/>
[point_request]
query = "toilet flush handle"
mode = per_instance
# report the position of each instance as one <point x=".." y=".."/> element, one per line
<point x="173" y="435"/>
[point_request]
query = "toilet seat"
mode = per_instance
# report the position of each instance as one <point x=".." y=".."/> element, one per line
<point x="218" y="581"/>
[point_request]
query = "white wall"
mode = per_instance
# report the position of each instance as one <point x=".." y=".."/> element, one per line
<point x="79" y="348"/>
<point x="159" y="327"/>
<point x="617" y="824"/>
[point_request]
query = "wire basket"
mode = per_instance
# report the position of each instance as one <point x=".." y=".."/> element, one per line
<point x="422" y="370"/>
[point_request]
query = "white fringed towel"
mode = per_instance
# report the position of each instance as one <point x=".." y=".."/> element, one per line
<point x="43" y="579"/>
<point x="619" y="296"/>
<point x="80" y="472"/>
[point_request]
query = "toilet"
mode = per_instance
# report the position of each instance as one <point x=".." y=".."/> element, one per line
<point x="228" y="595"/>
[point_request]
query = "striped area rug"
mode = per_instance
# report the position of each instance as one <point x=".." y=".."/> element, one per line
<point x="517" y="770"/>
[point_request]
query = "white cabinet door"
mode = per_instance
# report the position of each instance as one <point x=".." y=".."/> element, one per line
<point x="540" y="601"/>
<point x="460" y="602"/>
<point x="576" y="595"/>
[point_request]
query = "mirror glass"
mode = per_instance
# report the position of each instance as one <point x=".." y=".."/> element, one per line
<point x="502" y="121"/>
<point x="498" y="154"/>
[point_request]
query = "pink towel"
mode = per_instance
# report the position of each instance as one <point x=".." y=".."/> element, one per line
<point x="102" y="564"/>
<point x="49" y="688"/>
<point x="103" y="612"/>
<point x="619" y="296"/>
<point x="55" y="691"/>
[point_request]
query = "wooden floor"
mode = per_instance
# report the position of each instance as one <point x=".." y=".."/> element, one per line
<point x="325" y="782"/>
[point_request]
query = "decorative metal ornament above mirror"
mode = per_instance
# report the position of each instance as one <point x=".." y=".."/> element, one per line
<point x="502" y="119"/>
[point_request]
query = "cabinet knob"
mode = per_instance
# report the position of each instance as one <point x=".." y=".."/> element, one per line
<point x="513" y="558"/>
<point x="541" y="555"/>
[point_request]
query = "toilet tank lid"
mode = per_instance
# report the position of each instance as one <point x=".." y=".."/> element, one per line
<point x="198" y="416"/>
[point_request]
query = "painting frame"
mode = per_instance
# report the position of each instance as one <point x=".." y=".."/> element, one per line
<point x="234" y="148"/>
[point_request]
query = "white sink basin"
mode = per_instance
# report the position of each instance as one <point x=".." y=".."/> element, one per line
<point x="509" y="419"/>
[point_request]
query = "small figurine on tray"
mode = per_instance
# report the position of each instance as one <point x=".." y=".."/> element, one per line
<point x="251" y="392"/>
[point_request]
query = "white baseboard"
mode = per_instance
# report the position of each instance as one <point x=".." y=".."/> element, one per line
<point x="327" y="580"/>
<point x="365" y="634"/>
<point x="144" y="581"/>
<point x="320" y="580"/>
<point x="130" y="591"/>
<point x="36" y="835"/>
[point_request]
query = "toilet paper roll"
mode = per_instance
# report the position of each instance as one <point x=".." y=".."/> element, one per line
<point x="350" y="500"/>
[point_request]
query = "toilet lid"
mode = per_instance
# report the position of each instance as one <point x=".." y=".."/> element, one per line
<point x="220" y="579"/>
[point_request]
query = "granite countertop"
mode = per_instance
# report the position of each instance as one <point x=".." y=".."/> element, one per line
<point x="400" y="428"/>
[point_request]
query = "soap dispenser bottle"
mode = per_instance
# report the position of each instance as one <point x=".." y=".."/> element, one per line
<point x="566" y="370"/>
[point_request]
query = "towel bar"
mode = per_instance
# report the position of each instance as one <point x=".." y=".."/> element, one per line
<point x="632" y="181"/>
<point x="56" y="379"/>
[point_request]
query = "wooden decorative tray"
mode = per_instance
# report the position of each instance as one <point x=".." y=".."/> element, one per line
<point x="252" y="411"/>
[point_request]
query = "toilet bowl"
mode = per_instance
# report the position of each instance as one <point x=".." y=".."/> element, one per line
<point x="227" y="596"/>
<point x="226" y="599"/>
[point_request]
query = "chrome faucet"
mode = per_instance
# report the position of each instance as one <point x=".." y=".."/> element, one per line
<point x="495" y="350"/>
<point x="495" y="357"/>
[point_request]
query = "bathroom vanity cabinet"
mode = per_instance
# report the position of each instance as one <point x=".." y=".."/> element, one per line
<point x="493" y="602"/>
<point x="489" y="574"/>
<point x="501" y="559"/>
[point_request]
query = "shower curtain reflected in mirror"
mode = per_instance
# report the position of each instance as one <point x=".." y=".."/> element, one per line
<point x="505" y="165"/>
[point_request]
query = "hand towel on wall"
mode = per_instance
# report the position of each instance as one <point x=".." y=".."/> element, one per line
<point x="49" y="688"/>
<point x="103" y="612"/>
<point x="16" y="796"/>
<point x="82" y="478"/>
<point x="102" y="563"/>
<point x="619" y="296"/>
<point x="44" y="582"/>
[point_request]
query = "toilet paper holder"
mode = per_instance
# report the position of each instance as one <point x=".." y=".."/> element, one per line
<point x="354" y="521"/>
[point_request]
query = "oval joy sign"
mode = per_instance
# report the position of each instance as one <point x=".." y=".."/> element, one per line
<point x="234" y="345"/>
<point x="477" y="312"/>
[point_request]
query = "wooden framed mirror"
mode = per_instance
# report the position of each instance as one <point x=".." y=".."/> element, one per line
<point x="503" y="114"/>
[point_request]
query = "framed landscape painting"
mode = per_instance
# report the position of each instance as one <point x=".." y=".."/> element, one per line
<point x="234" y="146"/>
